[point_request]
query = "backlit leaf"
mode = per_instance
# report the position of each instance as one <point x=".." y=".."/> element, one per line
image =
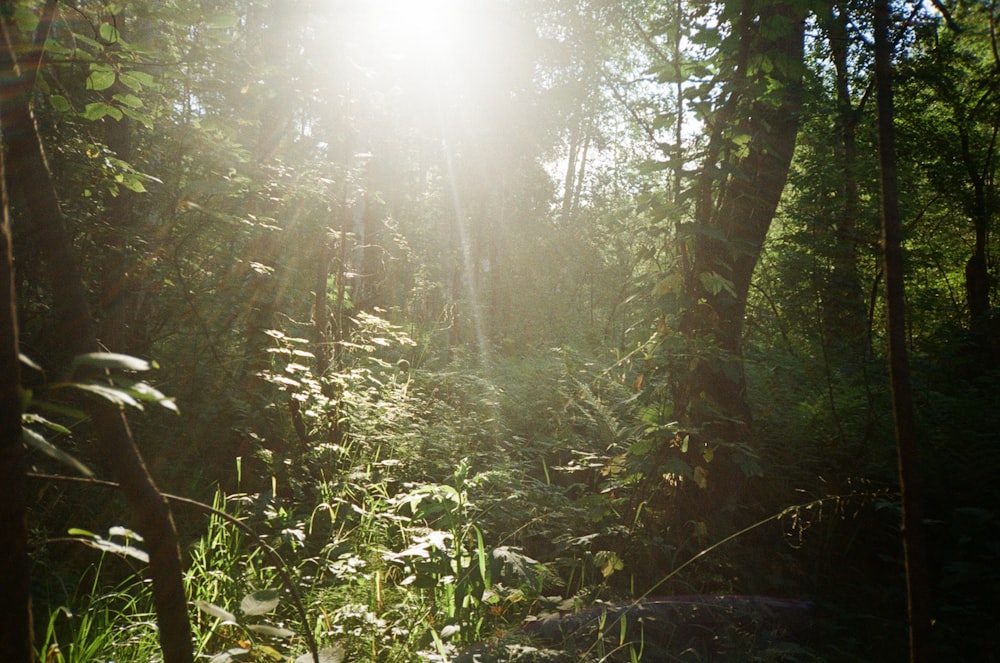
<point x="99" y="109"/>
<point x="230" y="655"/>
<point x="271" y="631"/>
<point x="34" y="439"/>
<point x="33" y="418"/>
<point x="332" y="654"/>
<point x="213" y="610"/>
<point x="107" y="392"/>
<point x="110" y="360"/>
<point x="100" y="80"/>
<point x="136" y="80"/>
<point x="260" y="602"/>
<point x="129" y="100"/>
<point x="109" y="33"/>
<point x="124" y="532"/>
<point x="114" y="548"/>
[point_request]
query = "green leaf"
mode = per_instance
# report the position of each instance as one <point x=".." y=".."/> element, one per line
<point x="29" y="418"/>
<point x="109" y="33"/>
<point x="100" y="79"/>
<point x="332" y="654"/>
<point x="133" y="183"/>
<point x="110" y="360"/>
<point x="230" y="655"/>
<point x="136" y="80"/>
<point x="104" y="545"/>
<point x="271" y="631"/>
<point x="61" y="410"/>
<point x="642" y="446"/>
<point x="26" y="19"/>
<point x="260" y="602"/>
<point x="716" y="283"/>
<point x="98" y="109"/>
<point x="76" y="531"/>
<point x="142" y="118"/>
<point x="124" y="532"/>
<point x="669" y="284"/>
<point x="59" y="103"/>
<point x="521" y="566"/>
<point x="34" y="439"/>
<point x="29" y="362"/>
<point x="107" y="392"/>
<point x="222" y="20"/>
<point x="97" y="46"/>
<point x="608" y="561"/>
<point x="213" y="610"/>
<point x="129" y="100"/>
<point x="144" y="391"/>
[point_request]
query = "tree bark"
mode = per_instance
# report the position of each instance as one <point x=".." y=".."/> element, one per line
<point x="899" y="371"/>
<point x="734" y="213"/>
<point x="15" y="579"/>
<point x="76" y="331"/>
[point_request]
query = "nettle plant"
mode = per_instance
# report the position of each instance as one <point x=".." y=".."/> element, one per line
<point x="450" y="563"/>
<point x="358" y="403"/>
<point x="251" y="636"/>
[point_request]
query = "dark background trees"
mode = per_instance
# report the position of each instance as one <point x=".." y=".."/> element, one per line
<point x="467" y="305"/>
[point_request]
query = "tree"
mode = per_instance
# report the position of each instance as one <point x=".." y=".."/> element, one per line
<point x="909" y="468"/>
<point x="75" y="330"/>
<point x="845" y="316"/>
<point x="750" y="109"/>
<point x="15" y="579"/>
<point x="951" y="87"/>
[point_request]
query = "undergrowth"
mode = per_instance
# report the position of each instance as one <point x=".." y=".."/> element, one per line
<point x="424" y="510"/>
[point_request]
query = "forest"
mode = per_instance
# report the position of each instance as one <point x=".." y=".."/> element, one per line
<point x="499" y="330"/>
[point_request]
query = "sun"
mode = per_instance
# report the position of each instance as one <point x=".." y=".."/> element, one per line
<point x="436" y="47"/>
<point x="418" y="37"/>
<point x="421" y="29"/>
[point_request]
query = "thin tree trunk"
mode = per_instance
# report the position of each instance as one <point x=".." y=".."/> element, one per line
<point x="899" y="370"/>
<point x="844" y="303"/>
<point x="977" y="277"/>
<point x="75" y="330"/>
<point x="568" y="183"/>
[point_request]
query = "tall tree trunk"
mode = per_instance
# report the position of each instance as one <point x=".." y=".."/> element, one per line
<point x="733" y="215"/>
<point x="909" y="471"/>
<point x="75" y="330"/>
<point x="15" y="579"/>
